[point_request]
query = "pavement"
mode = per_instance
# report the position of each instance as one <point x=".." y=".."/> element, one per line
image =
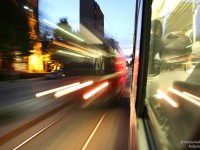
<point x="26" y="114"/>
<point x="13" y="129"/>
<point x="18" y="79"/>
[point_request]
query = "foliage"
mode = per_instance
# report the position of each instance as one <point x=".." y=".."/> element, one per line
<point x="46" y="42"/>
<point x="49" y="34"/>
<point x="60" y="35"/>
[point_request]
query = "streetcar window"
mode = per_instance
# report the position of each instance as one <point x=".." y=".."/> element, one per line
<point x="173" y="84"/>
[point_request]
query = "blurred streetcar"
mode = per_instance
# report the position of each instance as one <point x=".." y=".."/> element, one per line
<point x="105" y="62"/>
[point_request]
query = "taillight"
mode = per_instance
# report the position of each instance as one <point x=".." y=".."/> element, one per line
<point x="120" y="64"/>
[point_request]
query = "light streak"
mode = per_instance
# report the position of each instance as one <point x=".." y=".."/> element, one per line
<point x="68" y="53"/>
<point x="168" y="99"/>
<point x="54" y="25"/>
<point x="25" y="7"/>
<point x="189" y="99"/>
<point x="76" y="49"/>
<point x="94" y="91"/>
<point x="193" y="96"/>
<point x="72" y="89"/>
<point x="55" y="90"/>
<point x="189" y="46"/>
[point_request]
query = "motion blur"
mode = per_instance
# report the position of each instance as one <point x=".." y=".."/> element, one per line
<point x="88" y="71"/>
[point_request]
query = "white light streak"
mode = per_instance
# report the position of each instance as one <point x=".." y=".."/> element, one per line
<point x="26" y="7"/>
<point x="55" y="90"/>
<point x="54" y="25"/>
<point x="193" y="96"/>
<point x="168" y="99"/>
<point x="72" y="89"/>
<point x="189" y="99"/>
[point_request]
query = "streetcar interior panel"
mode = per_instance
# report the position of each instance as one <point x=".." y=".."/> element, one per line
<point x="173" y="72"/>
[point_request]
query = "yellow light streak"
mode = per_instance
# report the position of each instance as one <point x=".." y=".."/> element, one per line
<point x="93" y="51"/>
<point x="76" y="49"/>
<point x="94" y="91"/>
<point x="189" y="99"/>
<point x="168" y="99"/>
<point x="72" y="89"/>
<point x="55" y="90"/>
<point x="68" y="53"/>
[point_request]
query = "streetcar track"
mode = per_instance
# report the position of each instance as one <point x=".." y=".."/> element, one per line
<point x="93" y="132"/>
<point x="20" y="145"/>
<point x="67" y="114"/>
<point x="15" y="132"/>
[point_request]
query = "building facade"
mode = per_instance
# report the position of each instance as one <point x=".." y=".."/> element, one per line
<point x="92" y="17"/>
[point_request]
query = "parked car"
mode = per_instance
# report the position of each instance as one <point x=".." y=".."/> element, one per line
<point x="55" y="75"/>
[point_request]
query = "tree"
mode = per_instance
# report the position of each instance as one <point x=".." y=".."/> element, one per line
<point x="46" y="42"/>
<point x="61" y="35"/>
<point x="46" y="39"/>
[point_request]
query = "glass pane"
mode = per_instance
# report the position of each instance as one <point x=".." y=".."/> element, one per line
<point x="173" y="85"/>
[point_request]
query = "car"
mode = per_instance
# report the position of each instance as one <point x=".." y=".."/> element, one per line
<point x="55" y="75"/>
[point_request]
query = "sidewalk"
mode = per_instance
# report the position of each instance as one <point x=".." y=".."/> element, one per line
<point x="7" y="80"/>
<point x="14" y="75"/>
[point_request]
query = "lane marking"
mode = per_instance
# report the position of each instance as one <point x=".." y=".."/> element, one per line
<point x="93" y="132"/>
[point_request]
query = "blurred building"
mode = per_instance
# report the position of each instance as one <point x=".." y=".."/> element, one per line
<point x="12" y="35"/>
<point x="20" y="48"/>
<point x="35" y="60"/>
<point x="92" y="17"/>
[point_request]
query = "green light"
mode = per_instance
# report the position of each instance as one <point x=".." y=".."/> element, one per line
<point x="189" y="46"/>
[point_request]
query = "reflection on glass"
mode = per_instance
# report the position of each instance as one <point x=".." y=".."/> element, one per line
<point x="174" y="61"/>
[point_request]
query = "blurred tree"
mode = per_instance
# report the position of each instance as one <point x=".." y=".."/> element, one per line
<point x="46" y="42"/>
<point x="46" y="38"/>
<point x="61" y="35"/>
